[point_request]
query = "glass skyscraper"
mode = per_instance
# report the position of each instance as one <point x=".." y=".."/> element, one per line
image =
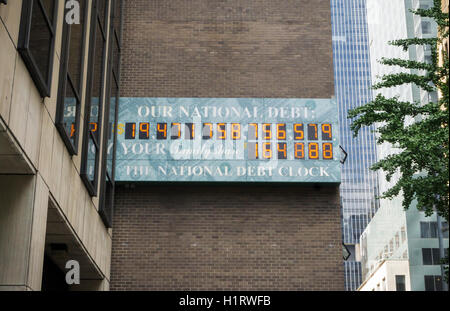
<point x="359" y="186"/>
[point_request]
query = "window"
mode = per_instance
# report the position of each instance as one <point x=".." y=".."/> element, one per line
<point x="429" y="229"/>
<point x="94" y="99"/>
<point x="69" y="92"/>
<point x="433" y="283"/>
<point x="427" y="258"/>
<point x="112" y="105"/>
<point x="400" y="285"/>
<point x="430" y="256"/>
<point x="445" y="230"/>
<point x="425" y="229"/>
<point x="433" y="97"/>
<point x="433" y="229"/>
<point x="37" y="41"/>
<point x="426" y="27"/>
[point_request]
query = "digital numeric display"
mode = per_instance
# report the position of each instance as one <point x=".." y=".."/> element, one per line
<point x="266" y="141"/>
<point x="227" y="140"/>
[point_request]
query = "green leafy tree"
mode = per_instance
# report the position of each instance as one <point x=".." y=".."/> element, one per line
<point x="422" y="160"/>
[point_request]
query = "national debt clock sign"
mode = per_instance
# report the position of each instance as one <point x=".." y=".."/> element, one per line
<point x="228" y="140"/>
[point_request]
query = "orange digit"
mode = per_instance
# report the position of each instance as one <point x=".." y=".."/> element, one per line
<point x="283" y="150"/>
<point x="267" y="151"/>
<point x="72" y="130"/>
<point x="298" y="132"/>
<point x="120" y="129"/>
<point x="316" y="136"/>
<point x="210" y="130"/>
<point x="222" y="129"/>
<point x="327" y="151"/>
<point x="281" y="131"/>
<point x="326" y="129"/>
<point x="252" y="156"/>
<point x="192" y="134"/>
<point x="255" y="128"/>
<point x="267" y="131"/>
<point x="235" y="131"/>
<point x="313" y="150"/>
<point x="163" y="130"/>
<point x="299" y="150"/>
<point x="95" y="127"/>
<point x="178" y="132"/>
<point x="144" y="130"/>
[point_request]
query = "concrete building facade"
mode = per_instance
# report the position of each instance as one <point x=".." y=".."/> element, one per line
<point x="51" y="211"/>
<point x="402" y="245"/>
<point x="391" y="275"/>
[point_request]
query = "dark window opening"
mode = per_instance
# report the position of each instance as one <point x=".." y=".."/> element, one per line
<point x="53" y="279"/>
<point x="445" y="230"/>
<point x="400" y="284"/>
<point x="112" y="105"/>
<point x="431" y="256"/>
<point x="429" y="229"/>
<point x="37" y="41"/>
<point x="433" y="283"/>
<point x="426" y="27"/>
<point x="94" y="100"/>
<point x="426" y="256"/>
<point x="69" y="93"/>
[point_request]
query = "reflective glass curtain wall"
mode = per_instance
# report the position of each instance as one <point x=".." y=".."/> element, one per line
<point x="359" y="186"/>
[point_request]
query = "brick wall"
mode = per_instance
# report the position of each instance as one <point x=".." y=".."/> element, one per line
<point x="246" y="237"/>
<point x="210" y="237"/>
<point x="234" y="48"/>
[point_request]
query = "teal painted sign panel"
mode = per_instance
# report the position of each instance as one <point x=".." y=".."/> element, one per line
<point x="228" y="140"/>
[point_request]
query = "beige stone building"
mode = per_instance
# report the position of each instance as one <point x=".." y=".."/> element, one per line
<point x="58" y="91"/>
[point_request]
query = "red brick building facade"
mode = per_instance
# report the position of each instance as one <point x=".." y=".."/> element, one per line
<point x="247" y="237"/>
